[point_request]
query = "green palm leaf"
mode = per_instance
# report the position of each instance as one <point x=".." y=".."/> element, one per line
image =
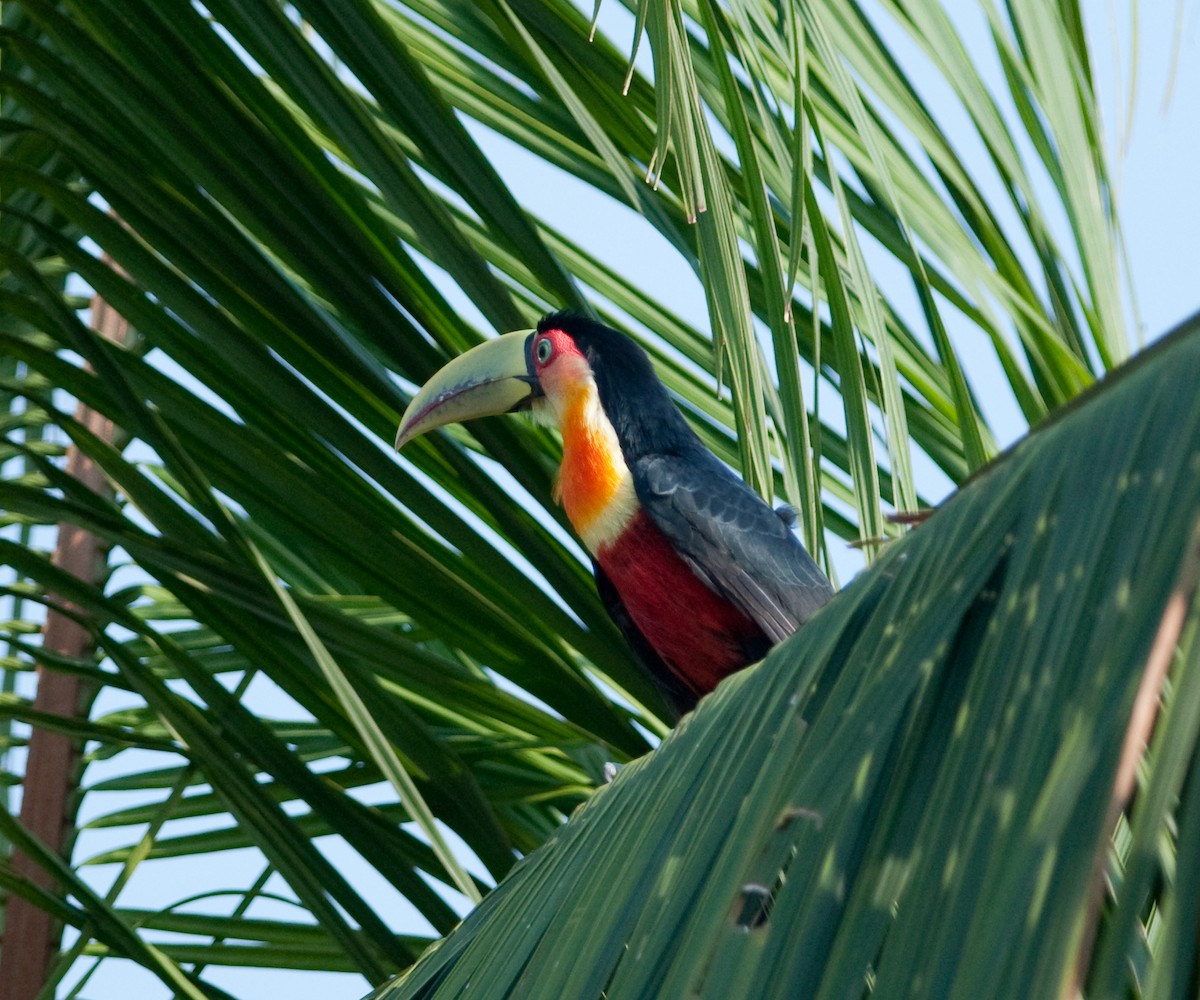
<point x="300" y="211"/>
<point x="924" y="778"/>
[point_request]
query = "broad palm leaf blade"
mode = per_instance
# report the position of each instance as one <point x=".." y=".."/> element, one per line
<point x="913" y="796"/>
<point x="306" y="220"/>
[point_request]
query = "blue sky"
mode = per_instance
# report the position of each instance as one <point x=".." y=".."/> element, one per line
<point x="1154" y="162"/>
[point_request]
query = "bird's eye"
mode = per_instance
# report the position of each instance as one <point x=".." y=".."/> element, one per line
<point x="544" y="350"/>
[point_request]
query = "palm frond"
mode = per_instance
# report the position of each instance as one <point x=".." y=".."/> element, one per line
<point x="299" y="210"/>
<point x="926" y="776"/>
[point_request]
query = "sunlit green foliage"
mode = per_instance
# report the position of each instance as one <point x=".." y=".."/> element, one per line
<point x="313" y="650"/>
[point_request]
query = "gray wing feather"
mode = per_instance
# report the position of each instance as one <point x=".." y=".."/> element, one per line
<point x="732" y="540"/>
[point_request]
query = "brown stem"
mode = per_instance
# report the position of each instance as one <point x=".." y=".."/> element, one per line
<point x="1146" y="706"/>
<point x="51" y="779"/>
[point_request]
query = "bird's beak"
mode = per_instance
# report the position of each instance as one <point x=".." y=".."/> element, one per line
<point x="493" y="377"/>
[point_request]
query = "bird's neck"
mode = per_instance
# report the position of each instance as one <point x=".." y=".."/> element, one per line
<point x="594" y="484"/>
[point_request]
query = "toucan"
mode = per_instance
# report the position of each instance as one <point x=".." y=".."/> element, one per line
<point x="701" y="575"/>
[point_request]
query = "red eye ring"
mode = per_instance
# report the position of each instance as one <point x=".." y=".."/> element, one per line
<point x="543" y="350"/>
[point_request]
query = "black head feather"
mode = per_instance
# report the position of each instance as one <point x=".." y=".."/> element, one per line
<point x="646" y="419"/>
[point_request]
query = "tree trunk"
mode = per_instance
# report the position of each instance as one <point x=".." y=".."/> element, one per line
<point x="31" y="937"/>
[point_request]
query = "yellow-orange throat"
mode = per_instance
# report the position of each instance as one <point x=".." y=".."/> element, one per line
<point x="594" y="485"/>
